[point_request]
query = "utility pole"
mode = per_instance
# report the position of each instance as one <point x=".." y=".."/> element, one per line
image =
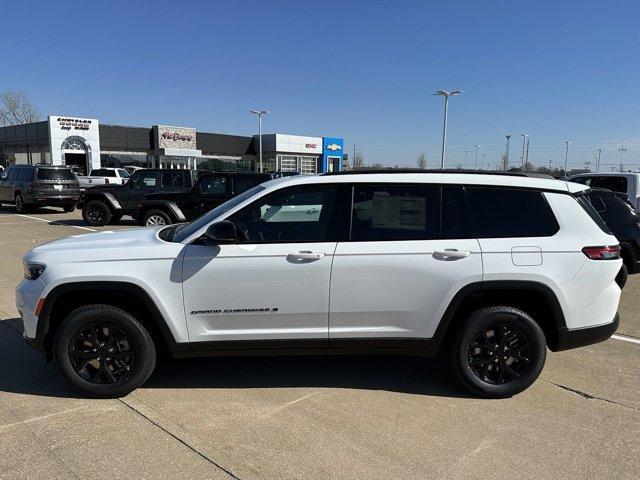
<point x="353" y="160"/>
<point x="524" y="141"/>
<point x="506" y="163"/>
<point x="622" y="150"/>
<point x="477" y="148"/>
<point x="465" y="159"/>
<point x="526" y="161"/>
<point x="566" y="157"/>
<point x="598" y="160"/>
<point x="484" y="159"/>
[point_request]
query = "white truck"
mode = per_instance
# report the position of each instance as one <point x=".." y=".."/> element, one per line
<point x="103" y="176"/>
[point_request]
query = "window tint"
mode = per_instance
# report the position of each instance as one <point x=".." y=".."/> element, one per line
<point x="453" y="222"/>
<point x="597" y="203"/>
<point x="586" y="205"/>
<point x="214" y="185"/>
<point x="394" y="212"/>
<point x="501" y="212"/>
<point x="144" y="180"/>
<point x="616" y="184"/>
<point x="123" y="173"/>
<point x="242" y="184"/>
<point x="289" y="215"/>
<point x="103" y="172"/>
<point x="584" y="180"/>
<point x="13" y="172"/>
<point x="172" y="180"/>
<point x="25" y="174"/>
<point x="55" y="174"/>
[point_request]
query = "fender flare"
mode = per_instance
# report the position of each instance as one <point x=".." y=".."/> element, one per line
<point x="106" y="197"/>
<point x="170" y="206"/>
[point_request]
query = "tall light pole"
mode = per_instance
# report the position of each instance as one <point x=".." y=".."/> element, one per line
<point x="622" y="150"/>
<point x="524" y="141"/>
<point x="566" y="157"/>
<point x="506" y="162"/>
<point x="598" y="161"/>
<point x="446" y="96"/>
<point x="477" y="148"/>
<point x="484" y="159"/>
<point x="259" y="113"/>
<point x="465" y="159"/>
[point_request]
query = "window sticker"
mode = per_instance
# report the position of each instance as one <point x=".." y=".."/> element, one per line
<point x="406" y="213"/>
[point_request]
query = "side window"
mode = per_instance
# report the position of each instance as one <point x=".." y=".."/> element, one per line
<point x="25" y="174"/>
<point x="214" y="185"/>
<point x="394" y="212"/>
<point x="613" y="183"/>
<point x="242" y="184"/>
<point x="145" y="180"/>
<point x="13" y="173"/>
<point x="597" y="203"/>
<point x="503" y="212"/>
<point x="300" y="214"/>
<point x="584" y="180"/>
<point x="123" y="173"/>
<point x="172" y="180"/>
<point x="452" y="224"/>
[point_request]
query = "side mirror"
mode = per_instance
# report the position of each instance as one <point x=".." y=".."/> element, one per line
<point x="221" y="232"/>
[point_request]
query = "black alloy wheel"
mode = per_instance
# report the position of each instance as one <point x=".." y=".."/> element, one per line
<point x="96" y="213"/>
<point x="498" y="351"/>
<point x="499" y="354"/>
<point x="19" y="203"/>
<point x="102" y="353"/>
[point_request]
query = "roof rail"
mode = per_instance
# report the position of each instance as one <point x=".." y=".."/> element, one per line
<point x="414" y="170"/>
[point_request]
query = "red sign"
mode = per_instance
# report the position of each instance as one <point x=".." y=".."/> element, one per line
<point x="311" y="145"/>
<point x="176" y="136"/>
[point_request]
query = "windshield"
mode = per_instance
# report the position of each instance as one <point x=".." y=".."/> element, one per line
<point x="193" y="227"/>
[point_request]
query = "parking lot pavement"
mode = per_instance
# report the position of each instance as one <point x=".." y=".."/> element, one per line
<point x="322" y="417"/>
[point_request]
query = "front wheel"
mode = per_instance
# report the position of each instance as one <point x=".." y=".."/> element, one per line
<point x="103" y="351"/>
<point x="155" y="217"/>
<point x="96" y="213"/>
<point x="499" y="352"/>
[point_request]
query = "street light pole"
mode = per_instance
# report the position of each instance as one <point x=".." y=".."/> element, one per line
<point x="477" y="148"/>
<point x="259" y="113"/>
<point x="524" y="141"/>
<point x="465" y="159"/>
<point x="484" y="159"/>
<point x="622" y="150"/>
<point x="446" y="95"/>
<point x="506" y="162"/>
<point x="566" y="157"/>
<point x="598" y="161"/>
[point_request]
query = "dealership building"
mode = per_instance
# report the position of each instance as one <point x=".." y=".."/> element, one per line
<point x="85" y="144"/>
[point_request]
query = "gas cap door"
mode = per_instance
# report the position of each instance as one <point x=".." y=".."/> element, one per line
<point x="526" y="256"/>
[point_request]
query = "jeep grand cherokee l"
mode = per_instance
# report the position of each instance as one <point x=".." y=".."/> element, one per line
<point x="487" y="269"/>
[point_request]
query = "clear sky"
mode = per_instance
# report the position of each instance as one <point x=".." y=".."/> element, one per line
<point x="363" y="70"/>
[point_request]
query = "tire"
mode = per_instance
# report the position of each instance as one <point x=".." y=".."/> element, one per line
<point x="621" y="278"/>
<point x="155" y="217"/>
<point x="69" y="208"/>
<point x="20" y="206"/>
<point x="84" y="342"/>
<point x="96" y="213"/>
<point x="522" y="346"/>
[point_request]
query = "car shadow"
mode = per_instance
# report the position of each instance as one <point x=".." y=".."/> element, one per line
<point x="24" y="371"/>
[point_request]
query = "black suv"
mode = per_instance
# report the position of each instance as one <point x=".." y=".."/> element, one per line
<point x="211" y="189"/>
<point x="31" y="186"/>
<point x="109" y="203"/>
<point x="624" y="222"/>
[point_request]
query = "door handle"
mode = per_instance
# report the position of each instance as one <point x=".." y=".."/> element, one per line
<point x="305" y="256"/>
<point x="451" y="254"/>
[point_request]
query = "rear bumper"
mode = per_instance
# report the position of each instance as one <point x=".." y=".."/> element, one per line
<point x="580" y="337"/>
<point x="57" y="200"/>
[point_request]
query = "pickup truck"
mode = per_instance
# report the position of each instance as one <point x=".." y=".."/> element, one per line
<point x="103" y="176"/>
<point x="104" y="204"/>
<point x="211" y="189"/>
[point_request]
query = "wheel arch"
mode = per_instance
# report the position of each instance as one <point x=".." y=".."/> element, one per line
<point x="534" y="298"/>
<point x="129" y="297"/>
<point x="167" y="206"/>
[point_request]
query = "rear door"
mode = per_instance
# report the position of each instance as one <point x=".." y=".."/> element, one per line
<point x="210" y="191"/>
<point x="406" y="254"/>
<point x="6" y="189"/>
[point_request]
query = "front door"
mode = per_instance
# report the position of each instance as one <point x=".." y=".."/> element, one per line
<point x="406" y="259"/>
<point x="274" y="282"/>
<point x="139" y="185"/>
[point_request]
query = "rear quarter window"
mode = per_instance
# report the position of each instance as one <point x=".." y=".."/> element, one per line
<point x="504" y="212"/>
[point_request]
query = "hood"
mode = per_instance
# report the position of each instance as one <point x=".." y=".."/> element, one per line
<point x="139" y="243"/>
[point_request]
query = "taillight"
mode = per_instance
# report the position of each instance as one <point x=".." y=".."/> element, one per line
<point x="602" y="253"/>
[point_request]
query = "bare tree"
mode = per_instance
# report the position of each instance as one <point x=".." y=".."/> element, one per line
<point x="358" y="161"/>
<point x="16" y="108"/>
<point x="421" y="161"/>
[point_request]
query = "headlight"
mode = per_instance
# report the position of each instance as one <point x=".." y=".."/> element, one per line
<point x="33" y="270"/>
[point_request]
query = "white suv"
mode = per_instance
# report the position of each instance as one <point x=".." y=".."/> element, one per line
<point x="489" y="269"/>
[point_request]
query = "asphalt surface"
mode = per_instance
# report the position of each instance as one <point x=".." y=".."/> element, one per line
<point x="316" y="417"/>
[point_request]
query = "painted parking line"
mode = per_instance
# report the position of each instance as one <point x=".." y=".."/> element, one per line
<point x="624" y="338"/>
<point x="53" y="222"/>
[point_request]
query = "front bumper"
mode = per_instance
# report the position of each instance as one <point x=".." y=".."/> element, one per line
<point x="580" y="337"/>
<point x="28" y="294"/>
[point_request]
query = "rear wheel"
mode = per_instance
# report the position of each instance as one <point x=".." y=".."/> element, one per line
<point x="20" y="206"/>
<point x="155" y="217"/>
<point x="499" y="352"/>
<point x="96" y="213"/>
<point x="104" y="352"/>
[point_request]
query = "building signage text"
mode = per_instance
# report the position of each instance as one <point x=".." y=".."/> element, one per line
<point x="75" y="123"/>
